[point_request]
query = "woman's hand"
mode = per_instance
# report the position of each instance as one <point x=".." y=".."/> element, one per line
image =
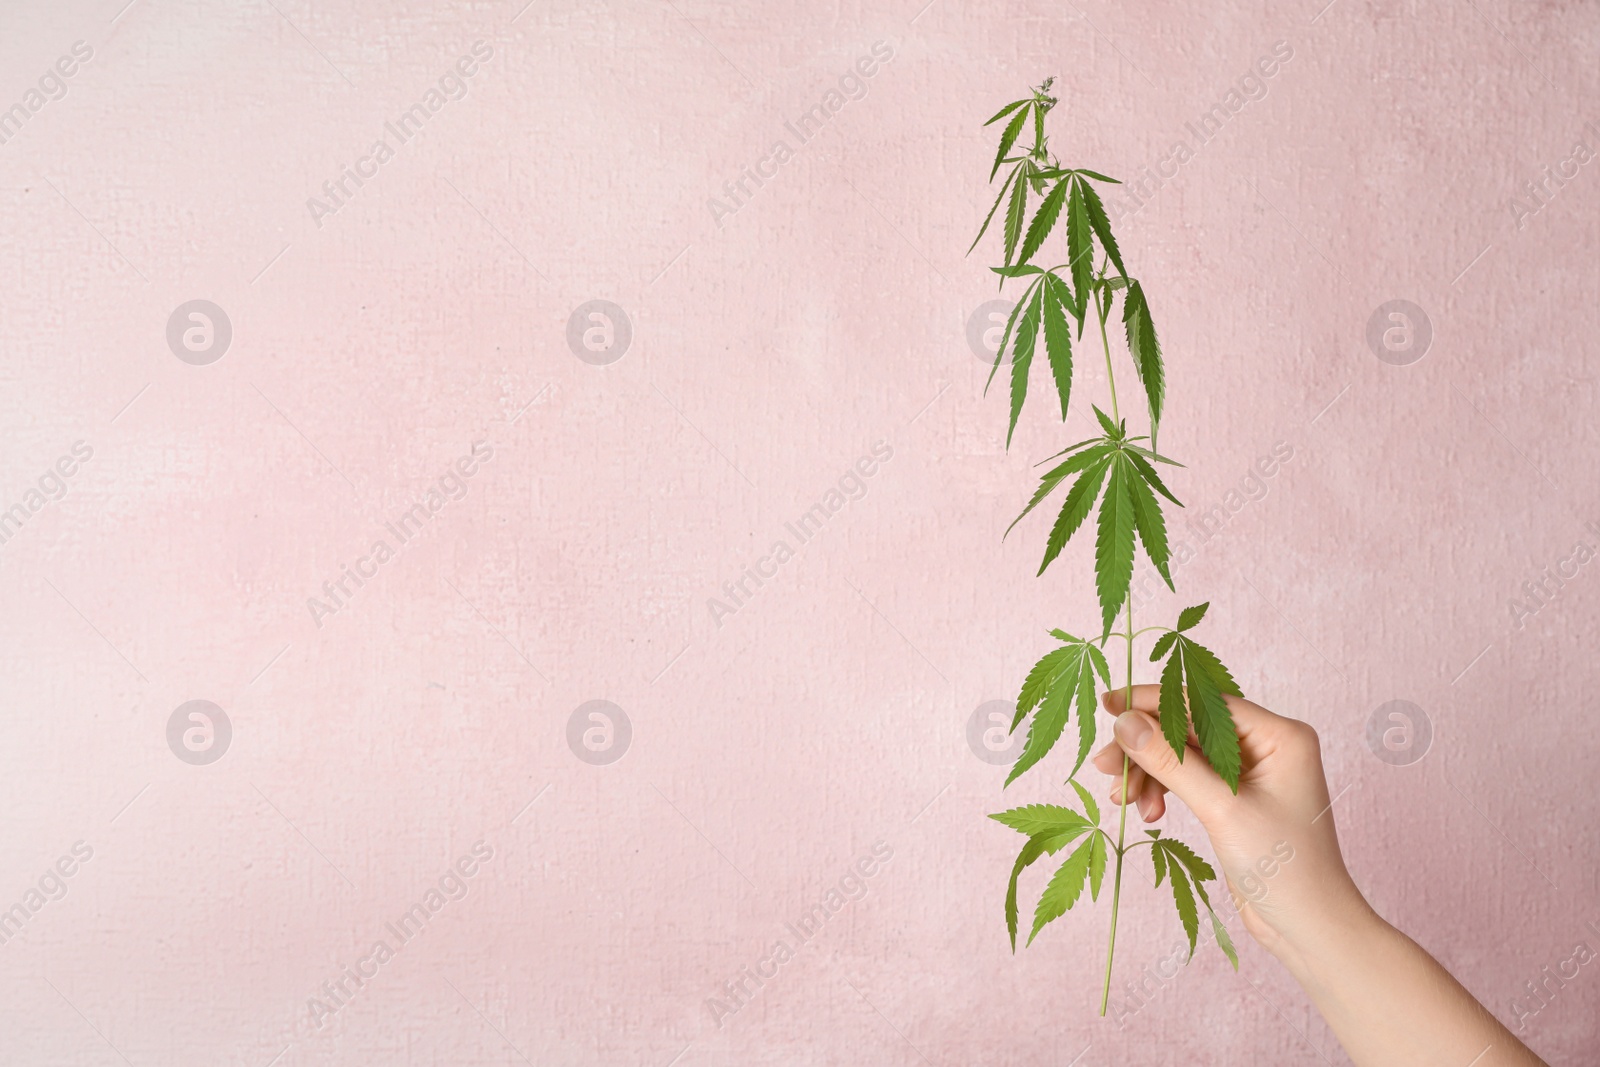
<point x="1275" y="841"/>
<point x="1383" y="995"/>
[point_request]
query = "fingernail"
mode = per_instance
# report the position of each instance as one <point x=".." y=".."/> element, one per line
<point x="1132" y="730"/>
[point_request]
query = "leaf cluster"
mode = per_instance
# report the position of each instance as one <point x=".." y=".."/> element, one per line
<point x="1193" y="684"/>
<point x="1117" y="464"/>
<point x="1113" y="475"/>
<point x="1050" y="828"/>
<point x="1177" y="863"/>
<point x="1066" y="199"/>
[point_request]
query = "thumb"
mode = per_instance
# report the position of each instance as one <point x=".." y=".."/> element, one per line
<point x="1191" y="780"/>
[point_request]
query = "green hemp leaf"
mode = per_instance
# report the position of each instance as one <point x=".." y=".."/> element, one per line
<point x="1063" y="681"/>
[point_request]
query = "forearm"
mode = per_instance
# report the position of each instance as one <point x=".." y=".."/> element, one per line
<point x="1390" y="1002"/>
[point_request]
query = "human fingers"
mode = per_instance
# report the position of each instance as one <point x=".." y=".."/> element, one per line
<point x="1193" y="779"/>
<point x="1258" y="728"/>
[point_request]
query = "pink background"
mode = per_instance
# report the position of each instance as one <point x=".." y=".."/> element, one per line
<point x="771" y="348"/>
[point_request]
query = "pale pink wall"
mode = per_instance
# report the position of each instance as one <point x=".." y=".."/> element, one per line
<point x="771" y="349"/>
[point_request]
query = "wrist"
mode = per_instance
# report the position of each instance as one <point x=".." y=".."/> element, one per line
<point x="1345" y="928"/>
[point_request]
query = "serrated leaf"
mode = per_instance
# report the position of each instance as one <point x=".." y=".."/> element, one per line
<point x="1035" y="847"/>
<point x="1102" y="226"/>
<point x="1065" y="887"/>
<point x="1080" y="499"/>
<point x="1214" y="668"/>
<point x="1080" y="254"/>
<point x="1022" y="356"/>
<point x="1113" y="431"/>
<point x="1019" y="271"/>
<point x="1145" y="350"/>
<point x="1158" y="857"/>
<point x="1005" y="338"/>
<point x="1086" y="706"/>
<point x="1089" y="805"/>
<point x="1207" y="679"/>
<point x="1113" y="555"/>
<point x="1174" y="713"/>
<point x="1190" y="617"/>
<point x="1008" y="109"/>
<point x="1042" y="819"/>
<point x="1100" y="664"/>
<point x="1218" y="931"/>
<point x="1044" y="220"/>
<point x="994" y="207"/>
<point x="1038" y="682"/>
<point x="1198" y="869"/>
<point x="1090" y="173"/>
<point x="1097" y="864"/>
<point x="1148" y="473"/>
<point x="1060" y="684"/>
<point x="1058" y="338"/>
<point x="1224" y="942"/>
<point x="1183" y="897"/>
<point x="1052" y="714"/>
<point x="1163" y="643"/>
<point x="1054" y="477"/>
<point x="1069" y="448"/>
<point x="1008" y="138"/>
<point x="1070" y="688"/>
<point x="1016" y="211"/>
<point x="1151" y="525"/>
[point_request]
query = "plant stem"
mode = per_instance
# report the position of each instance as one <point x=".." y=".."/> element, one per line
<point x="1111" y="378"/>
<point x="1122" y="826"/>
<point x="1127" y="703"/>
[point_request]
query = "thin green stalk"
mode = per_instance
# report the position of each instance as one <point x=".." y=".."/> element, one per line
<point x="1122" y="814"/>
<point x="1122" y="827"/>
<point x="1112" y="378"/>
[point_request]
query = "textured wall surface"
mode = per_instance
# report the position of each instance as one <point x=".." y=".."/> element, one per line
<point x="188" y="485"/>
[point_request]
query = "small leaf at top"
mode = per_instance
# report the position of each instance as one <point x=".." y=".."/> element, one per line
<point x="1003" y="112"/>
<point x="1007" y="139"/>
<point x="1189" y="618"/>
<point x="1089" y="173"/>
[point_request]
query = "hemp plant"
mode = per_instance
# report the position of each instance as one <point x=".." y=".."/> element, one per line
<point x="1117" y="469"/>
